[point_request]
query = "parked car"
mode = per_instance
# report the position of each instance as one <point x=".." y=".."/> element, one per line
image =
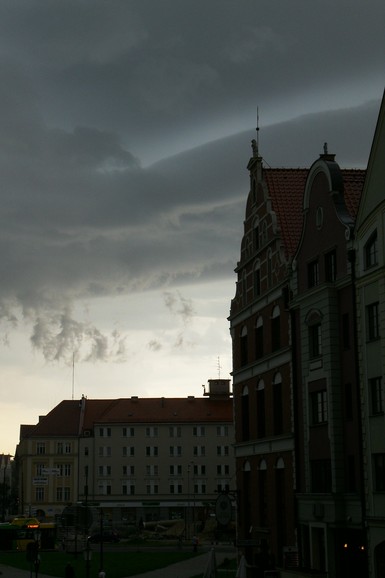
<point x="108" y="536"/>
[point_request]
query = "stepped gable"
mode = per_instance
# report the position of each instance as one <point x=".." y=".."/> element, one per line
<point x="286" y="188"/>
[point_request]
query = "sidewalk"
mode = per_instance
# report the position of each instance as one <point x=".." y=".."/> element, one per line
<point x="194" y="566"/>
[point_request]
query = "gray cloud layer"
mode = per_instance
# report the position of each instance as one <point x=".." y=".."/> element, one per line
<point x="91" y="91"/>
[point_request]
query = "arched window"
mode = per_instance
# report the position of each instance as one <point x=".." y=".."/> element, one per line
<point x="244" y="288"/>
<point x="262" y="492"/>
<point x="246" y="466"/>
<point x="261" y="410"/>
<point x="256" y="235"/>
<point x="275" y="328"/>
<point x="257" y="280"/>
<point x="280" y="464"/>
<point x="244" y="346"/>
<point x="245" y="414"/>
<point x="371" y="251"/>
<point x="277" y="404"/>
<point x="259" y="337"/>
<point x="280" y="499"/>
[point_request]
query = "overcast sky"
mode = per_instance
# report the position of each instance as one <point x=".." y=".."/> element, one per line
<point x="125" y="131"/>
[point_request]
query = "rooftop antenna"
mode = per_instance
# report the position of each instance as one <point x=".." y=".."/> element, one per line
<point x="73" y="374"/>
<point x="219" y="367"/>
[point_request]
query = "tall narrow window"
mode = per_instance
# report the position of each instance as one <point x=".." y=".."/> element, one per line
<point x="259" y="338"/>
<point x="244" y="288"/>
<point x="375" y="388"/>
<point x="256" y="236"/>
<point x="372" y="317"/>
<point x="244" y="346"/>
<point x="275" y="329"/>
<point x="245" y="414"/>
<point x="277" y="404"/>
<point x="269" y="268"/>
<point x="379" y="472"/>
<point x="261" y="410"/>
<point x="313" y="273"/>
<point x="321" y="475"/>
<point x="371" y="251"/>
<point x="331" y="266"/>
<point x="262" y="493"/>
<point x="257" y="281"/>
<point x="319" y="407"/>
<point x="315" y="341"/>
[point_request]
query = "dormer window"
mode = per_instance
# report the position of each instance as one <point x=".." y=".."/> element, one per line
<point x="371" y="251"/>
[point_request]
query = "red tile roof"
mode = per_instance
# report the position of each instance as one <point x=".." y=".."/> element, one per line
<point x="161" y="410"/>
<point x="353" y="186"/>
<point x="286" y="189"/>
<point x="65" y="418"/>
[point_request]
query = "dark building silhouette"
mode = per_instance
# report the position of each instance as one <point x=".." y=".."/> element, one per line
<point x="308" y="364"/>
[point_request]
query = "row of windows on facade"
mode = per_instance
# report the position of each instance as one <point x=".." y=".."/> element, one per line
<point x="314" y="331"/>
<point x="277" y="405"/>
<point x="275" y="321"/>
<point x="65" y="470"/>
<point x="64" y="494"/>
<point x="257" y="278"/>
<point x="152" y="431"/>
<point x="173" y="431"/>
<point x="153" y="451"/>
<point x="318" y="406"/>
<point x="319" y="401"/>
<point x="370" y="258"/>
<point x="129" y="470"/>
<point x="321" y="473"/>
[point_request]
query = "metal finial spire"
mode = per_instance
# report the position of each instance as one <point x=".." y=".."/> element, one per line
<point x="257" y="128"/>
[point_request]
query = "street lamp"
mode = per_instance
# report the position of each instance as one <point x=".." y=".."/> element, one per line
<point x="87" y="553"/>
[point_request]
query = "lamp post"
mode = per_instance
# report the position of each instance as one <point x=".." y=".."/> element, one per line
<point x="188" y="504"/>
<point x="101" y="540"/>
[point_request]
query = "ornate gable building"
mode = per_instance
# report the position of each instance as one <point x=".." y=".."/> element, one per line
<point x="262" y="364"/>
<point x="327" y="404"/>
<point x="298" y="451"/>
<point x="370" y="291"/>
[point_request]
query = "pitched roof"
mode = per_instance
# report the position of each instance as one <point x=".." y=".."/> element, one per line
<point x="65" y="419"/>
<point x="62" y="420"/>
<point x="353" y="185"/>
<point x="286" y="189"/>
<point x="159" y="410"/>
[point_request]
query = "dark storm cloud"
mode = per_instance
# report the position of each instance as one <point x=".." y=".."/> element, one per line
<point x="90" y="92"/>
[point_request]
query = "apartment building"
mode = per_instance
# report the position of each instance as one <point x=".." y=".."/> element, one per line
<point x="370" y="292"/>
<point x="139" y="459"/>
<point x="6" y="481"/>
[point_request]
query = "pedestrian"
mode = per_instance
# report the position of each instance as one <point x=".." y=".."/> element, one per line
<point x="195" y="543"/>
<point x="69" y="571"/>
<point x="101" y="573"/>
